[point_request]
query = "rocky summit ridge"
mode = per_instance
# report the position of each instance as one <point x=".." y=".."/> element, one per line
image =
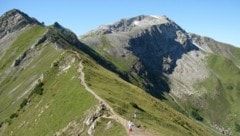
<point x="128" y="24"/>
<point x="14" y="20"/>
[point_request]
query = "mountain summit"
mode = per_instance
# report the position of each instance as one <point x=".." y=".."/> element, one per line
<point x="14" y="20"/>
<point x="153" y="44"/>
<point x="138" y="22"/>
<point x="134" y="23"/>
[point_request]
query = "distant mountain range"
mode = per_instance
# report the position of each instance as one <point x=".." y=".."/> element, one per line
<point x="55" y="83"/>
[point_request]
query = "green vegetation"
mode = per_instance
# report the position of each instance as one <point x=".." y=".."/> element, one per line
<point x="60" y="104"/>
<point x="1" y="123"/>
<point x="236" y="53"/>
<point x="16" y="86"/>
<point x="237" y="127"/>
<point x="14" y="115"/>
<point x="223" y="91"/>
<point x="196" y="115"/>
<point x="19" y="79"/>
<point x="38" y="89"/>
<point x="24" y="103"/>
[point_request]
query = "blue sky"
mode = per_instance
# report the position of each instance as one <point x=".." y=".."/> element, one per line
<point x="219" y="19"/>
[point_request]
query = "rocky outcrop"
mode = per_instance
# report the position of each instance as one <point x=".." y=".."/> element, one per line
<point x="14" y="20"/>
<point x="91" y="120"/>
<point x="19" y="59"/>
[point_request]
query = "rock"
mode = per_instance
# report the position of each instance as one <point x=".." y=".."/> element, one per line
<point x="108" y="125"/>
<point x="14" y="20"/>
<point x="19" y="59"/>
<point x="98" y="113"/>
<point x="91" y="128"/>
<point x="93" y="117"/>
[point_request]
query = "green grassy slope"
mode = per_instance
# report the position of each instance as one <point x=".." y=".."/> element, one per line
<point x="16" y="82"/>
<point x="224" y="93"/>
<point x="126" y="98"/>
<point x="63" y="100"/>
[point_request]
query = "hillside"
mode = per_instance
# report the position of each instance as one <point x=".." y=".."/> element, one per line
<point x="195" y="75"/>
<point x="52" y="84"/>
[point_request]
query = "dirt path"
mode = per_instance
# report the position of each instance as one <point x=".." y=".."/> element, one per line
<point x="136" y="131"/>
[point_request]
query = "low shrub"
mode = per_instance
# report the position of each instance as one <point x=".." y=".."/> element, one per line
<point x="1" y="124"/>
<point x="134" y="105"/>
<point x="14" y="115"/>
<point x="237" y="127"/>
<point x="24" y="103"/>
<point x="196" y="115"/>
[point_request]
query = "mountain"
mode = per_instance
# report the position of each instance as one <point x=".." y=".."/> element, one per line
<point x="195" y="75"/>
<point x="152" y="44"/>
<point x="53" y="84"/>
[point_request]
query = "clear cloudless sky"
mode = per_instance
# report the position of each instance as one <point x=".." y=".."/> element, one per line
<point x="219" y="19"/>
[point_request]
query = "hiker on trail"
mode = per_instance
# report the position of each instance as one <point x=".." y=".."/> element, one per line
<point x="135" y="115"/>
<point x="130" y="126"/>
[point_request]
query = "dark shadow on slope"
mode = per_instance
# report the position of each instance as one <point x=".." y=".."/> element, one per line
<point x="101" y="60"/>
<point x="158" y="55"/>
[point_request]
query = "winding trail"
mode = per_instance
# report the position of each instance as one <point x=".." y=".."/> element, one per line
<point x="136" y="131"/>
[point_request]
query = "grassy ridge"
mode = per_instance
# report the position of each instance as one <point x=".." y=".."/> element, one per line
<point x="63" y="99"/>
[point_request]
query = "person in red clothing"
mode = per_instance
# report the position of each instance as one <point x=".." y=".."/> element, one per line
<point x="130" y="126"/>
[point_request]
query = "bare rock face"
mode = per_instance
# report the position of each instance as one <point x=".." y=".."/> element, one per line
<point x="14" y="20"/>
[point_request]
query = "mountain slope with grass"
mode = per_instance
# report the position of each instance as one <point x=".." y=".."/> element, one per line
<point x="195" y="75"/>
<point x="47" y="81"/>
<point x="40" y="91"/>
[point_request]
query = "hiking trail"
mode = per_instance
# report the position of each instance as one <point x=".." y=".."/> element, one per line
<point x="136" y="131"/>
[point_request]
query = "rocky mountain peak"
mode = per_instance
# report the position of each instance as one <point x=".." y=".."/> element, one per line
<point x="154" y="43"/>
<point x="14" y="20"/>
<point x="134" y="23"/>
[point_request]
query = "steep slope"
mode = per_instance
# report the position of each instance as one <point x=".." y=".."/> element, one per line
<point x="157" y="55"/>
<point x="47" y="81"/>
